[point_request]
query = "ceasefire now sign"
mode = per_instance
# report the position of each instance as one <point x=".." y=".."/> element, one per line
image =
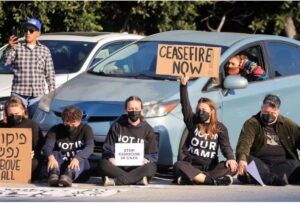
<point x="194" y="61"/>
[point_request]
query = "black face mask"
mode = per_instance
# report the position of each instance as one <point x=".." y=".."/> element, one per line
<point x="134" y="115"/>
<point x="202" y="116"/>
<point x="268" y="118"/>
<point x="14" y="120"/>
<point x="70" y="129"/>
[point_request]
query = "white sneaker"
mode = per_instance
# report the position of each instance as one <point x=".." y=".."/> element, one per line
<point x="143" y="181"/>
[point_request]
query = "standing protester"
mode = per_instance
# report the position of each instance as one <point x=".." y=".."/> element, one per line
<point x="271" y="141"/>
<point x="200" y="164"/>
<point x="31" y="65"/>
<point x="67" y="148"/>
<point x="129" y="128"/>
<point x="16" y="116"/>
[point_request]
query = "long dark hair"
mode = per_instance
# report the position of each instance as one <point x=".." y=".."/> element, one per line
<point x="213" y="123"/>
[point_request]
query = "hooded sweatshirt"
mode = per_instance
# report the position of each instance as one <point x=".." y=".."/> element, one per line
<point x="198" y="148"/>
<point x="123" y="132"/>
<point x="79" y="144"/>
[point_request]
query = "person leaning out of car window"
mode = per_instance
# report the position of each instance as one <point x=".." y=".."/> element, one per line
<point x="16" y="116"/>
<point x="68" y="147"/>
<point x="129" y="128"/>
<point x="271" y="141"/>
<point x="240" y="65"/>
<point x="200" y="164"/>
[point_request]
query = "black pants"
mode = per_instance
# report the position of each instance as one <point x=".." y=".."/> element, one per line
<point x="36" y="168"/>
<point x="271" y="171"/>
<point x="126" y="175"/>
<point x="189" y="171"/>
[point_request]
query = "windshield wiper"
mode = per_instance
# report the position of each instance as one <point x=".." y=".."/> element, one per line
<point x="154" y="77"/>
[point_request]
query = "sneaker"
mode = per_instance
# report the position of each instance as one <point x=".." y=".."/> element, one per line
<point x="53" y="178"/>
<point x="183" y="181"/>
<point x="225" y="180"/>
<point x="108" y="181"/>
<point x="280" y="181"/>
<point x="143" y="181"/>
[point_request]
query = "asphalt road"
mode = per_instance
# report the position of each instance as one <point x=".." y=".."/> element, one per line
<point x="159" y="190"/>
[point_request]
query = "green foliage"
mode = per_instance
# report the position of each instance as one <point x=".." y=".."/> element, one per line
<point x="149" y="17"/>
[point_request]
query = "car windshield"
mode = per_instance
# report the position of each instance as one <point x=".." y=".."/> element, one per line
<point x="136" y="60"/>
<point x="68" y="56"/>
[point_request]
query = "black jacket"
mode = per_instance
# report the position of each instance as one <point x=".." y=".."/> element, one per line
<point x="198" y="149"/>
<point x="252" y="137"/>
<point x="122" y="129"/>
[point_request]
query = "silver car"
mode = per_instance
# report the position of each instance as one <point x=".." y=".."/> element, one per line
<point x="101" y="92"/>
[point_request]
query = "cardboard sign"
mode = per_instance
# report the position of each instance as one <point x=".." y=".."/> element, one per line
<point x="15" y="155"/>
<point x="129" y="154"/>
<point x="194" y="61"/>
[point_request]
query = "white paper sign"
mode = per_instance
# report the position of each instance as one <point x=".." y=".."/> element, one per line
<point x="129" y="154"/>
<point x="252" y="170"/>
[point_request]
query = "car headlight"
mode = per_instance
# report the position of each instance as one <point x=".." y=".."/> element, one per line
<point x="159" y="108"/>
<point x="46" y="101"/>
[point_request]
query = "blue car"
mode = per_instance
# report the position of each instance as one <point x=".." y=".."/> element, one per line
<point x="101" y="91"/>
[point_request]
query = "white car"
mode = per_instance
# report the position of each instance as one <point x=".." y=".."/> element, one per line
<point x="72" y="53"/>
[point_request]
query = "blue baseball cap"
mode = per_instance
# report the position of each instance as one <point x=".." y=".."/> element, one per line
<point x="35" y="22"/>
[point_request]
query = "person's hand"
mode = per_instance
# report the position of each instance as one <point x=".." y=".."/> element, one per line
<point x="52" y="163"/>
<point x="184" y="79"/>
<point x="242" y="167"/>
<point x="32" y="154"/>
<point x="112" y="160"/>
<point x="146" y="161"/>
<point x="74" y="164"/>
<point x="232" y="165"/>
<point x="12" y="41"/>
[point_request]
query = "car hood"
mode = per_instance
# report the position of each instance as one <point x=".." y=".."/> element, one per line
<point x="88" y="87"/>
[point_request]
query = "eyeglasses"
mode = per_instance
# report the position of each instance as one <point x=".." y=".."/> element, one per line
<point x="31" y="30"/>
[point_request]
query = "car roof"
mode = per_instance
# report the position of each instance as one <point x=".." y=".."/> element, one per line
<point x="86" y="36"/>
<point x="213" y="38"/>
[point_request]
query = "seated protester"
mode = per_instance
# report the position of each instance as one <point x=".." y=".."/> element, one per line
<point x="240" y="65"/>
<point x="200" y="164"/>
<point x="16" y="116"/>
<point x="68" y="146"/>
<point x="135" y="129"/>
<point x="271" y="141"/>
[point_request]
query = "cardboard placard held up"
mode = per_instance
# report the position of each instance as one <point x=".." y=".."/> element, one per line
<point x="15" y="155"/>
<point x="194" y="61"/>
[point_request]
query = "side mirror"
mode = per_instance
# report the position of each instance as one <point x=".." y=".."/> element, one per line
<point x="235" y="82"/>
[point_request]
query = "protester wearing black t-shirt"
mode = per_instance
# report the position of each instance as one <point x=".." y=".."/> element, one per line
<point x="200" y="164"/>
<point x="16" y="116"/>
<point x="129" y="128"/>
<point x="68" y="147"/>
<point x="271" y="141"/>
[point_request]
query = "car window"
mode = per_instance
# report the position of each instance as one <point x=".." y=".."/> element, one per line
<point x="109" y="49"/>
<point x="284" y="58"/>
<point x="253" y="54"/>
<point x="68" y="56"/>
<point x="4" y="69"/>
<point x="136" y="60"/>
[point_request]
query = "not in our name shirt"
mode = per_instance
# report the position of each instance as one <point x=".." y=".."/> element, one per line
<point x="123" y="132"/>
<point x="198" y="148"/>
<point x="79" y="145"/>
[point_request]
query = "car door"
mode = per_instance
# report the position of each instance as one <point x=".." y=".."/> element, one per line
<point x="240" y="104"/>
<point x="285" y="65"/>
